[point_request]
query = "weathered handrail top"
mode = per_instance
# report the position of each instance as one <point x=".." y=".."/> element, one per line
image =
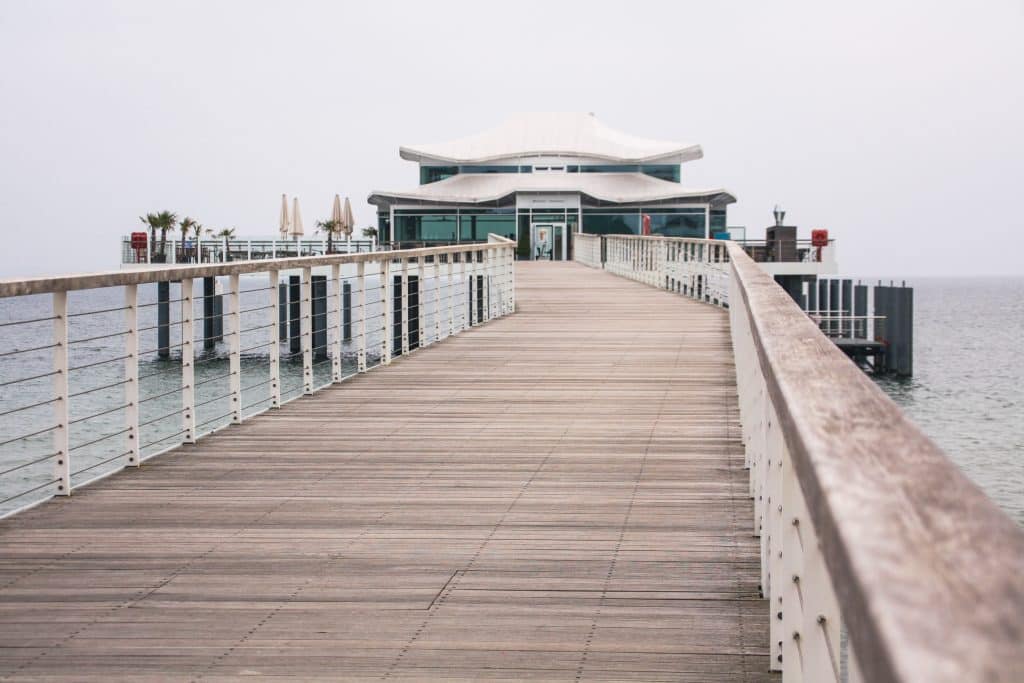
<point x="928" y="572"/>
<point x="63" y="283"/>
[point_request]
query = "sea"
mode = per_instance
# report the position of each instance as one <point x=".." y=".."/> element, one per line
<point x="967" y="392"/>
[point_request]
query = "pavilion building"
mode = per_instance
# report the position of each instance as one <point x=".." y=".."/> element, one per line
<point x="539" y="178"/>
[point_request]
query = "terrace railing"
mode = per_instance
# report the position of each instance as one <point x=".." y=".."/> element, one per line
<point x="881" y="560"/>
<point x="88" y="386"/>
<point x="222" y="250"/>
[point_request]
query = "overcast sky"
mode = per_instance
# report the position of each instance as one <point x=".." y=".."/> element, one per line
<point x="897" y="126"/>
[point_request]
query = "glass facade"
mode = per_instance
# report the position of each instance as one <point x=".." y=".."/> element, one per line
<point x="718" y="222"/>
<point x="432" y="174"/>
<point x="663" y="171"/>
<point x="671" y="222"/>
<point x="449" y="225"/>
<point x="677" y="224"/>
<point x="474" y="227"/>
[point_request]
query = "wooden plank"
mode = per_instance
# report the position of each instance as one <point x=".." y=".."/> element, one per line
<point x="556" y="495"/>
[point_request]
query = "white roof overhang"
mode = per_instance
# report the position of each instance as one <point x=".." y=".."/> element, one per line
<point x="620" y="188"/>
<point x="566" y="134"/>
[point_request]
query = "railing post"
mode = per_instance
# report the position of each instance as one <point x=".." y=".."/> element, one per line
<point x="487" y="267"/>
<point x="336" y="342"/>
<point x="361" y="349"/>
<point x="771" y="534"/>
<point x="62" y="464"/>
<point x="188" y="369"/>
<point x="510" y="256"/>
<point x="275" y="339"/>
<point x="404" y="294"/>
<point x="437" y="297"/>
<point x="463" y="272"/>
<point x="810" y="613"/>
<point x="451" y="293"/>
<point x="235" y="348"/>
<point x="131" y="372"/>
<point x="306" y="329"/>
<point x="387" y="314"/>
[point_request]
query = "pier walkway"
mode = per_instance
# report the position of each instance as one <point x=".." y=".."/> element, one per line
<point x="559" y="494"/>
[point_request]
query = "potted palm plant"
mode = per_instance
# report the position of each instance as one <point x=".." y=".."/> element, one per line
<point x="331" y="227"/>
<point x="187" y="225"/>
<point x="226" y="234"/>
<point x="162" y="221"/>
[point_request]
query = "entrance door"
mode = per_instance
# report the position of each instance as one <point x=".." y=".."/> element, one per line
<point x="547" y="241"/>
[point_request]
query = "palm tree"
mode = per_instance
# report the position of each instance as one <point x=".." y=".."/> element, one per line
<point x="225" y="233"/>
<point x="187" y="225"/>
<point x="331" y="227"/>
<point x="167" y="222"/>
<point x="151" y="221"/>
<point x="162" y="221"/>
<point x="370" y="232"/>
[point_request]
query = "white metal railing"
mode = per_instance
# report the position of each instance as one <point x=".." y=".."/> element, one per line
<point x="175" y="250"/>
<point x="880" y="560"/>
<point x="101" y="372"/>
<point x="694" y="267"/>
<point x="587" y="249"/>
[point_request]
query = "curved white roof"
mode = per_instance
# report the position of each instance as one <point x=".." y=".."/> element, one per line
<point x="474" y="188"/>
<point x="552" y="133"/>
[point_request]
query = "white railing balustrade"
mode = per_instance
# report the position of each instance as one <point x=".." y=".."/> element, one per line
<point x="587" y="249"/>
<point x="174" y="250"/>
<point x="695" y="268"/>
<point x="101" y="372"/>
<point x="881" y="562"/>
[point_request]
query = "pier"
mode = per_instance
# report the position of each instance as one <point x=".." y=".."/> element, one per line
<point x="646" y="464"/>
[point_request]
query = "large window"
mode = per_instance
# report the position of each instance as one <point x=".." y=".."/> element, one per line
<point x="678" y="224"/>
<point x="663" y="171"/>
<point x="474" y="227"/>
<point x="611" y="223"/>
<point x="717" y="221"/>
<point x="428" y="228"/>
<point x="383" y="227"/>
<point x="431" y="174"/>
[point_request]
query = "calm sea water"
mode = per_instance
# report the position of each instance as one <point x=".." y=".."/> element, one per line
<point x="967" y="392"/>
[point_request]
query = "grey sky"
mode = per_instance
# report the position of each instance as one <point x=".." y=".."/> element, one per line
<point x="897" y="126"/>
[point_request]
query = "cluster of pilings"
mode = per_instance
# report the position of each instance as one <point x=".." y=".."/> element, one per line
<point x="874" y="325"/>
<point x="213" y="316"/>
<point x="290" y="313"/>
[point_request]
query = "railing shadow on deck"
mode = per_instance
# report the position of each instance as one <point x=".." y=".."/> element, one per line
<point x="89" y="386"/>
<point x="881" y="560"/>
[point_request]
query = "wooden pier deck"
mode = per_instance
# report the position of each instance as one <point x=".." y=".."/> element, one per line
<point x="556" y="495"/>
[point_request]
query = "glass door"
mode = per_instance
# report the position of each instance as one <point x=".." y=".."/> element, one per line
<point x="547" y="242"/>
<point x="540" y="249"/>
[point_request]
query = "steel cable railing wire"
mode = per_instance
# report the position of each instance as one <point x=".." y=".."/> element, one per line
<point x="339" y="306"/>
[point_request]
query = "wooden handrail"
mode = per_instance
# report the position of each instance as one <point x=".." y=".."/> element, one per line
<point x="928" y="572"/>
<point x="64" y="283"/>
